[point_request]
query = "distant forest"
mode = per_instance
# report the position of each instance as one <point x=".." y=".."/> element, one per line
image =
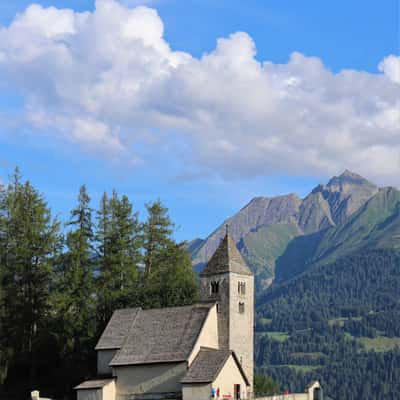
<point x="339" y="323"/>
<point x="61" y="281"/>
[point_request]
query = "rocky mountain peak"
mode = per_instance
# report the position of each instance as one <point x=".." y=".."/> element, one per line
<point x="347" y="181"/>
<point x="281" y="217"/>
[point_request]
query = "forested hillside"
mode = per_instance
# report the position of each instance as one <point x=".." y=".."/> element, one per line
<point x="61" y="281"/>
<point x="339" y="323"/>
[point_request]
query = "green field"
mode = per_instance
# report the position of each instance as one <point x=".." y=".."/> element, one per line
<point x="341" y="320"/>
<point x="297" y="368"/>
<point x="280" y="336"/>
<point x="380" y="343"/>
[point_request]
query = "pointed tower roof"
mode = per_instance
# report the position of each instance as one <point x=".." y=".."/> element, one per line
<point x="226" y="259"/>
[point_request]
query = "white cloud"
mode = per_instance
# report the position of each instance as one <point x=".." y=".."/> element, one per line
<point x="109" y="81"/>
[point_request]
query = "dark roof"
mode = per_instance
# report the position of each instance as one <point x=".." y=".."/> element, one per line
<point x="117" y="329"/>
<point x="226" y="259"/>
<point x="314" y="382"/>
<point x="208" y="364"/>
<point x="162" y="335"/>
<point x="95" y="384"/>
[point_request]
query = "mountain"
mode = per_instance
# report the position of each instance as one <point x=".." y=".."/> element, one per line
<point x="327" y="273"/>
<point x="269" y="227"/>
<point x="259" y="212"/>
<point x="339" y="323"/>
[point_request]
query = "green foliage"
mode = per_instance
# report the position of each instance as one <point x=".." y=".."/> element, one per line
<point x="343" y="324"/>
<point x="58" y="291"/>
<point x="29" y="241"/>
<point x="119" y="238"/>
<point x="169" y="278"/>
<point x="265" y="386"/>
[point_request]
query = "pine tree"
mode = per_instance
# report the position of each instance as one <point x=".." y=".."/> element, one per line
<point x="157" y="235"/>
<point x="74" y="295"/>
<point x="169" y="277"/>
<point x="29" y="240"/>
<point x="119" y="238"/>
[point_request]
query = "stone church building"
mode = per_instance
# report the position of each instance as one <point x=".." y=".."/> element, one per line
<point x="192" y="352"/>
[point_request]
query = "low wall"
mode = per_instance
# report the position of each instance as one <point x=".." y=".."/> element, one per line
<point x="294" y="396"/>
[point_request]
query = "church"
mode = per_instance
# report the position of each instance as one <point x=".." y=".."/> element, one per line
<point x="192" y="352"/>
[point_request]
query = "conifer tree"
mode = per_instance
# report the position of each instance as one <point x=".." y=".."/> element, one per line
<point x="120" y="240"/>
<point x="28" y="242"/>
<point x="75" y="285"/>
<point x="157" y="235"/>
<point x="169" y="277"/>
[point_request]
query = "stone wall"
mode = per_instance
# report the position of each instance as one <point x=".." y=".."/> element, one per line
<point x="222" y="300"/>
<point x="241" y="324"/>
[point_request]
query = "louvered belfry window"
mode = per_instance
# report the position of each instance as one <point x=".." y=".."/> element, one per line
<point x="214" y="287"/>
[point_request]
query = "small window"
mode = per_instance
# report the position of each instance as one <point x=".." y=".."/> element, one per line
<point x="241" y="308"/>
<point x="242" y="288"/>
<point x="214" y="287"/>
<point x="218" y="308"/>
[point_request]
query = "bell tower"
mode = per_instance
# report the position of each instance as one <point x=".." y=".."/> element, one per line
<point x="229" y="282"/>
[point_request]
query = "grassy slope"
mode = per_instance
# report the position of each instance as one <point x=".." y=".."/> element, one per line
<point x="264" y="246"/>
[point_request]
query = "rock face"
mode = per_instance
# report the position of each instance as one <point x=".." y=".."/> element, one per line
<point x="280" y="219"/>
<point x="261" y="211"/>
<point x="345" y="194"/>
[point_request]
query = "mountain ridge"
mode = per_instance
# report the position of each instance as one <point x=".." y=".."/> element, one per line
<point x="265" y="227"/>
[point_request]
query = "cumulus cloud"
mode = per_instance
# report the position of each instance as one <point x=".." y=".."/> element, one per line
<point x="108" y="80"/>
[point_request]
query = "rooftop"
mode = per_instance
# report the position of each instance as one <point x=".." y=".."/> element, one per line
<point x="226" y="258"/>
<point x="162" y="335"/>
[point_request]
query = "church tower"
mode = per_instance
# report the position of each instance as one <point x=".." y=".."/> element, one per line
<point x="228" y="281"/>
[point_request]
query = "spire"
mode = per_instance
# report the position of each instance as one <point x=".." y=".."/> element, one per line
<point x="226" y="259"/>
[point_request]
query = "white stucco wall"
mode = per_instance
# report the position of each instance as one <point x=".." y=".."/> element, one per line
<point x="104" y="357"/>
<point x="228" y="377"/>
<point x="153" y="378"/>
<point x="109" y="391"/>
<point x="208" y="336"/>
<point x="89" y="394"/>
<point x="196" y="392"/>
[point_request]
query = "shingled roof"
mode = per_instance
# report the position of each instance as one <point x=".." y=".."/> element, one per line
<point x="117" y="329"/>
<point x="208" y="364"/>
<point x="226" y="259"/>
<point x="162" y="335"/>
<point x="94" y="384"/>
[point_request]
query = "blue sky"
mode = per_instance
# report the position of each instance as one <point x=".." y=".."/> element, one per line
<point x="205" y="150"/>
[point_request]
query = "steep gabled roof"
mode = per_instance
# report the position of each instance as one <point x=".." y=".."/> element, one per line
<point x="226" y="259"/>
<point x="117" y="329"/>
<point x="162" y="335"/>
<point x="208" y="364"/>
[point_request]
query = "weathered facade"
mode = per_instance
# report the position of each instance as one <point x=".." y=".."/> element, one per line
<point x="185" y="352"/>
<point x="229" y="282"/>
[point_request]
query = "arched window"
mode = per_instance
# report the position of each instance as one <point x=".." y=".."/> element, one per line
<point x="242" y="288"/>
<point x="214" y="287"/>
<point x="241" y="308"/>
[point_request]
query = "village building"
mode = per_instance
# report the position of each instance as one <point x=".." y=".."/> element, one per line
<point x="192" y="352"/>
